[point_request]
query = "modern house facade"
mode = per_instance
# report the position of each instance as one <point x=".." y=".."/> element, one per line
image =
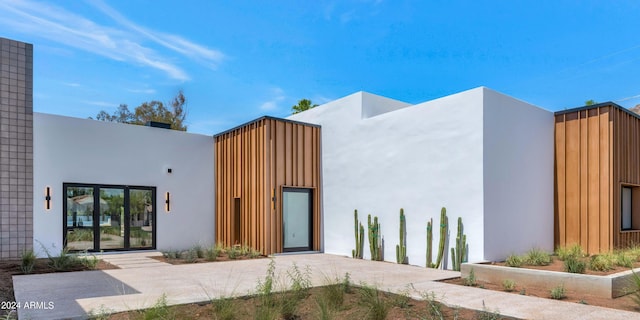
<point x="519" y="176"/>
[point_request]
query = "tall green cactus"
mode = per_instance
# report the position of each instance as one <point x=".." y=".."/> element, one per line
<point x="459" y="254"/>
<point x="444" y="231"/>
<point x="359" y="234"/>
<point x="401" y="248"/>
<point x="375" y="239"/>
<point x="430" y="244"/>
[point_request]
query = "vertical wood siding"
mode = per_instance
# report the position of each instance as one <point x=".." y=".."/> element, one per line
<point x="626" y="172"/>
<point x="253" y="163"/>
<point x="583" y="174"/>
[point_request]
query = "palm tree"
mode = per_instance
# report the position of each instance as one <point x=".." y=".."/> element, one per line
<point x="303" y="105"/>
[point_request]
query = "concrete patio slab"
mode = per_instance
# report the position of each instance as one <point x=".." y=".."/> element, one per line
<point x="75" y="294"/>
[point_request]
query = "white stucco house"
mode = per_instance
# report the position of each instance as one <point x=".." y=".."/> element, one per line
<point x="485" y="156"/>
<point x="278" y="184"/>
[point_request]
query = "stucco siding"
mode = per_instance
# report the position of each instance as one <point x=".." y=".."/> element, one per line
<point x="88" y="151"/>
<point x="518" y="176"/>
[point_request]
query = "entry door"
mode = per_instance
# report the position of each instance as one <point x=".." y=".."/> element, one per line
<point x="100" y="217"/>
<point x="297" y="204"/>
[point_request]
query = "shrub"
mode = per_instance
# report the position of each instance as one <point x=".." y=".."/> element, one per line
<point x="634" y="288"/>
<point x="28" y="260"/>
<point x="624" y="260"/>
<point x="508" y="285"/>
<point x="211" y="254"/>
<point x="575" y="251"/>
<point x="558" y="293"/>
<point x="347" y="287"/>
<point x="233" y="253"/>
<point x="537" y="257"/>
<point x="601" y="262"/>
<point x="64" y="261"/>
<point x="224" y="308"/>
<point x="373" y="300"/>
<point x="190" y="256"/>
<point x="470" y="280"/>
<point x="89" y="261"/>
<point x="574" y="265"/>
<point x="514" y="261"/>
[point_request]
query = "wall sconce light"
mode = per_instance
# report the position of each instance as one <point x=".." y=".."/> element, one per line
<point x="167" y="202"/>
<point x="47" y="198"/>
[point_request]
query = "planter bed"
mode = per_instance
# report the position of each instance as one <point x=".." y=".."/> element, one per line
<point x="606" y="286"/>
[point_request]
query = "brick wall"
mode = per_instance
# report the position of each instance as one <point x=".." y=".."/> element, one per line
<point x="16" y="148"/>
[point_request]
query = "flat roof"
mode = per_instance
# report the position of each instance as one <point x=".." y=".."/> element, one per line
<point x="263" y="118"/>
<point x="598" y="105"/>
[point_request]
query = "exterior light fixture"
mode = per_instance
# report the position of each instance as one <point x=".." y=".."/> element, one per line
<point x="167" y="202"/>
<point x="47" y="198"/>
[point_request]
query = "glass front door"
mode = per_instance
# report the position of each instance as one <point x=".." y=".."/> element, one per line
<point x="100" y="217"/>
<point x="296" y="217"/>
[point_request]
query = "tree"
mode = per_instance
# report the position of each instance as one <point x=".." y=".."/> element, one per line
<point x="151" y="111"/>
<point x="303" y="105"/>
<point x="590" y="102"/>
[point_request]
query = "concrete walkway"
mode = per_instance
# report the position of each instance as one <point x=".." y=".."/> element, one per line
<point x="74" y="294"/>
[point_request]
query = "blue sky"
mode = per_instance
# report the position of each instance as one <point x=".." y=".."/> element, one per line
<point x="238" y="60"/>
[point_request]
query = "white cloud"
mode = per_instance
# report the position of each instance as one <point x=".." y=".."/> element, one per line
<point x="101" y="104"/>
<point x="144" y="91"/>
<point x="124" y="42"/>
<point x="277" y="96"/>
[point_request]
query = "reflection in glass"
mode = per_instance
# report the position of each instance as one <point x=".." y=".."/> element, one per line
<point x="140" y="218"/>
<point x="111" y="218"/>
<point x="79" y="218"/>
<point x="296" y="213"/>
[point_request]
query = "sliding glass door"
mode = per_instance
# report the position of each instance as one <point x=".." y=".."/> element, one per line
<point x="102" y="217"/>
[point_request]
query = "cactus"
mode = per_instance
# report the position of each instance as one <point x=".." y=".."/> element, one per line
<point x="375" y="239"/>
<point x="401" y="248"/>
<point x="430" y="244"/>
<point x="359" y="234"/>
<point x="444" y="230"/>
<point x="459" y="254"/>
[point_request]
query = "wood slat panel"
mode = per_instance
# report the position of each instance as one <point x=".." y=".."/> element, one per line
<point x="253" y="163"/>
<point x="583" y="176"/>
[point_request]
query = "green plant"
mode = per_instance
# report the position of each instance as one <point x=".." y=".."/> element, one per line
<point x="347" y="287"/>
<point x="375" y="239"/>
<point x="470" y="280"/>
<point x="401" y="247"/>
<point x="574" y="251"/>
<point x="211" y="253"/>
<point x="430" y="244"/>
<point x="233" y="252"/>
<point x="508" y="285"/>
<point x="634" y="288"/>
<point x="80" y="234"/>
<point x="574" y="265"/>
<point x="601" y="262"/>
<point x="63" y="262"/>
<point x="359" y="234"/>
<point x="558" y="293"/>
<point x="224" y="308"/>
<point x="160" y="310"/>
<point x="582" y="301"/>
<point x="253" y="254"/>
<point x="325" y="311"/>
<point x="89" y="261"/>
<point x="190" y="256"/>
<point x="402" y="298"/>
<point x="459" y="254"/>
<point x="171" y="254"/>
<point x="28" y="260"/>
<point x="624" y="259"/>
<point x="523" y="292"/>
<point x="433" y="307"/>
<point x="515" y="261"/>
<point x="444" y="231"/>
<point x="265" y="287"/>
<point x="298" y="291"/>
<point x="537" y="257"/>
<point x="373" y="300"/>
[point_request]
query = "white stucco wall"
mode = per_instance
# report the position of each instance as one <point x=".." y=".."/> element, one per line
<point x="88" y="151"/>
<point x="419" y="158"/>
<point x="518" y="176"/>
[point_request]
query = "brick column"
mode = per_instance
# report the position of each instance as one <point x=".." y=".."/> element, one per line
<point x="16" y="148"/>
